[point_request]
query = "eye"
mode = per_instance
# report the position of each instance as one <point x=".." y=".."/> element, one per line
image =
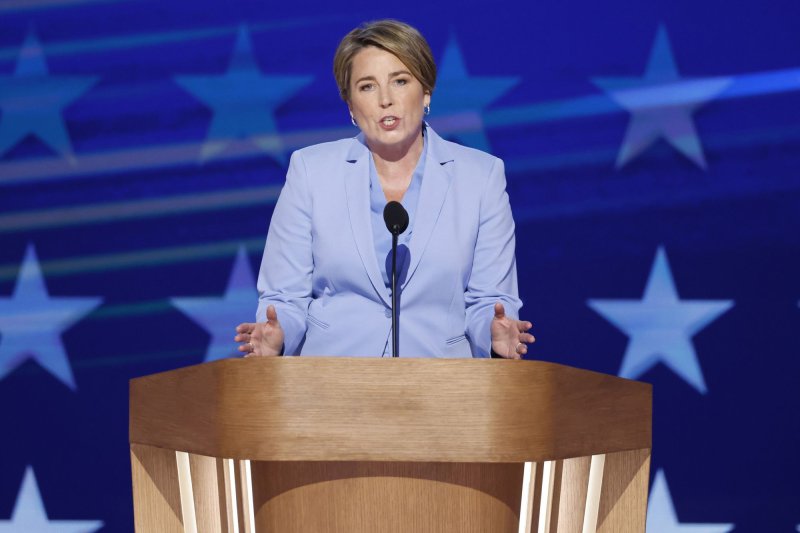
<point x="366" y="87"/>
<point x="401" y="81"/>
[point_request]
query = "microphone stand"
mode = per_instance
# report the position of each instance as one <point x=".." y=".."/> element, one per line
<point x="395" y="336"/>
<point x="396" y="219"/>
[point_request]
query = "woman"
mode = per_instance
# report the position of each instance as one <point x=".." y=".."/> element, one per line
<point x="323" y="282"/>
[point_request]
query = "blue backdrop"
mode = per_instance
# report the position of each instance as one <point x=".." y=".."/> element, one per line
<point x="652" y="151"/>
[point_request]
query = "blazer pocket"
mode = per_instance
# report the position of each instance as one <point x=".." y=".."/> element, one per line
<point x="317" y="322"/>
<point x="455" y="340"/>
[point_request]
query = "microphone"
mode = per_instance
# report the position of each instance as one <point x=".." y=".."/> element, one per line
<point x="396" y="218"/>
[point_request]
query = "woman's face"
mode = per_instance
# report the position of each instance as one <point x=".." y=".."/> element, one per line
<point x="386" y="100"/>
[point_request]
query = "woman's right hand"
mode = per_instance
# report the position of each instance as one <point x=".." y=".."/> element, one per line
<point x="261" y="338"/>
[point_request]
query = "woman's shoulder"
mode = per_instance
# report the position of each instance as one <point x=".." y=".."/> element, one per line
<point x="325" y="150"/>
<point x="445" y="149"/>
<point x="463" y="156"/>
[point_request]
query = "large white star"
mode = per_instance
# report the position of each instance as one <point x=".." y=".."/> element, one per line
<point x="29" y="514"/>
<point x="661" y="104"/>
<point x="219" y="316"/>
<point x="459" y="99"/>
<point x="661" y="517"/>
<point x="32" y="101"/>
<point x="31" y="323"/>
<point x="660" y="326"/>
<point x="243" y="101"/>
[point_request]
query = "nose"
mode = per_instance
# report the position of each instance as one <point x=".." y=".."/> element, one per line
<point x="385" y="98"/>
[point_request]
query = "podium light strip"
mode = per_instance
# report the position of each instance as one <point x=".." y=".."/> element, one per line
<point x="526" y="503"/>
<point x="546" y="506"/>
<point x="596" y="468"/>
<point x="230" y="496"/>
<point x="187" y="495"/>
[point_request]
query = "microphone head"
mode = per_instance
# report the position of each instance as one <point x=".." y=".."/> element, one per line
<point x="396" y="217"/>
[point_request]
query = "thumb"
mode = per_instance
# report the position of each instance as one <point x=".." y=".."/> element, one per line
<point x="499" y="310"/>
<point x="272" y="314"/>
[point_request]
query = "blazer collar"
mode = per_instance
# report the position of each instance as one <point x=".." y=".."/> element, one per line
<point x="437" y="175"/>
<point x="436" y="179"/>
<point x="357" y="187"/>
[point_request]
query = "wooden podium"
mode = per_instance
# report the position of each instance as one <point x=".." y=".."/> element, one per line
<point x="352" y="445"/>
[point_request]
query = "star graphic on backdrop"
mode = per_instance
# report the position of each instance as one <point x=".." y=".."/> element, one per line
<point x="31" y="323"/>
<point x="33" y="101"/>
<point x="243" y="101"/>
<point x="661" y="104"/>
<point x="661" y="517"/>
<point x="219" y="316"/>
<point x="460" y="98"/>
<point x="660" y="326"/>
<point x="29" y="513"/>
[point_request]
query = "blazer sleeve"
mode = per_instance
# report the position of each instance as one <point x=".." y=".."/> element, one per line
<point x="285" y="276"/>
<point x="493" y="276"/>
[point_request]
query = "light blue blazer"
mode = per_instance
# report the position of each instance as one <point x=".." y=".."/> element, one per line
<point x="321" y="272"/>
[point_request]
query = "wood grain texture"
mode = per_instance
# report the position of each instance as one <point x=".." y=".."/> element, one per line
<point x="528" y="514"/>
<point x="372" y="409"/>
<point x="572" y="494"/>
<point x="623" y="499"/>
<point x="555" y="503"/>
<point x="245" y="493"/>
<point x="538" y="483"/>
<point x="549" y="497"/>
<point x="347" y="497"/>
<point x="156" y="495"/>
<point x="205" y="488"/>
<point x="241" y="502"/>
<point x="227" y="487"/>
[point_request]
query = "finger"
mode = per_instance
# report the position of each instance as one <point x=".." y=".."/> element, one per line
<point x="246" y="327"/>
<point x="524" y="325"/>
<point x="499" y="310"/>
<point x="527" y="337"/>
<point x="272" y="314"/>
<point x="243" y="337"/>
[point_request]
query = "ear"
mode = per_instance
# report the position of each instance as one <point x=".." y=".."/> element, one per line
<point x="426" y="99"/>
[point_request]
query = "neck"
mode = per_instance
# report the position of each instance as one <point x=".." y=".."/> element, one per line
<point x="396" y="166"/>
<point x="397" y="161"/>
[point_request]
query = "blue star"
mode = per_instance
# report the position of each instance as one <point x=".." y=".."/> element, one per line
<point x="243" y="101"/>
<point x="29" y="513"/>
<point x="661" y="517"/>
<point x="660" y="326"/>
<point x="33" y="102"/>
<point x="460" y="99"/>
<point x="661" y="104"/>
<point x="220" y="315"/>
<point x="31" y="323"/>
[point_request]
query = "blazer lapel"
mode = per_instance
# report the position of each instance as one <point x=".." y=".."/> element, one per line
<point x="357" y="189"/>
<point x="436" y="180"/>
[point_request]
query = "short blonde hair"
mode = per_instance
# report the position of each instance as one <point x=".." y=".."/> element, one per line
<point x="398" y="38"/>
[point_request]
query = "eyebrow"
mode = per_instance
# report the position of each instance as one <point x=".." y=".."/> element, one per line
<point x="391" y="75"/>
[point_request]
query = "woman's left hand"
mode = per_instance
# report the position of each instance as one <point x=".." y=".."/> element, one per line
<point x="510" y="337"/>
